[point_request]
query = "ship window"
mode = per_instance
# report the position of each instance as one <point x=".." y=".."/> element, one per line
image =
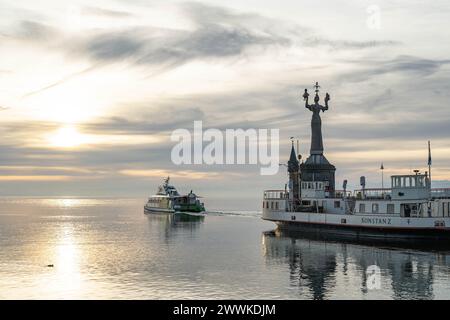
<point x="271" y="205"/>
<point x="362" y="207"/>
<point x="396" y="182"/>
<point x="337" y="204"/>
<point x="390" y="208"/>
<point x="375" y="207"/>
<point x="276" y="205"/>
<point x="420" y="182"/>
<point x="406" y="210"/>
<point x="445" y="209"/>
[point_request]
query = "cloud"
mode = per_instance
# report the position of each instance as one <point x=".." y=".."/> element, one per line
<point x="217" y="33"/>
<point x="33" y="178"/>
<point x="114" y="46"/>
<point x="167" y="118"/>
<point x="214" y="41"/>
<point x="347" y="44"/>
<point x="61" y="81"/>
<point x="35" y="31"/>
<point x="403" y="64"/>
<point x="106" y="12"/>
<point x="157" y="173"/>
<point x="223" y="36"/>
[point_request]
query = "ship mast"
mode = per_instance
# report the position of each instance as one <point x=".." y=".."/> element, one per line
<point x="429" y="161"/>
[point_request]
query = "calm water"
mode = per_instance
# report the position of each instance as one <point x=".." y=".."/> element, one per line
<point x="107" y="248"/>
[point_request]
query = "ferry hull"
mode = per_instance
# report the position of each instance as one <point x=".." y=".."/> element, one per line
<point x="368" y="233"/>
<point x="358" y="227"/>
<point x="148" y="210"/>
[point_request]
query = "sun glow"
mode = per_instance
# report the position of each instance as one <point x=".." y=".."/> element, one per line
<point x="67" y="137"/>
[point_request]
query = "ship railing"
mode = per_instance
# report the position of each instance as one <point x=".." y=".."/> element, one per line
<point x="440" y="192"/>
<point x="373" y="193"/>
<point x="342" y="194"/>
<point x="275" y="194"/>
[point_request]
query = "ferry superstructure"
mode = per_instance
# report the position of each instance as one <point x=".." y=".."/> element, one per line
<point x="409" y="209"/>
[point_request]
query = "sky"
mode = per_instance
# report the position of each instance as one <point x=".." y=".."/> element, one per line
<point x="90" y="93"/>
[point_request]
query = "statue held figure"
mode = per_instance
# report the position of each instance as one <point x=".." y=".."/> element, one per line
<point x="316" y="122"/>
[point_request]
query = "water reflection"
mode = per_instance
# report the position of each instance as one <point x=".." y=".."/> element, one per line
<point x="169" y="226"/>
<point x="66" y="262"/>
<point x="108" y="249"/>
<point x="323" y="268"/>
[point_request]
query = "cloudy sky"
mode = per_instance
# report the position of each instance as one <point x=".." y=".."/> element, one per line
<point x="89" y="95"/>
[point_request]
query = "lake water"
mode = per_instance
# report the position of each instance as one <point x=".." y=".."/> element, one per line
<point x="108" y="249"/>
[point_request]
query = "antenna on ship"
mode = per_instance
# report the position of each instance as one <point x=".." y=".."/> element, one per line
<point x="382" y="177"/>
<point x="429" y="161"/>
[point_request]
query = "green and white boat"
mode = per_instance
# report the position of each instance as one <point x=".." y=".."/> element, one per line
<point x="168" y="200"/>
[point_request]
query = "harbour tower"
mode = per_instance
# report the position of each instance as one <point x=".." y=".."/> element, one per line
<point x="317" y="173"/>
<point x="294" y="180"/>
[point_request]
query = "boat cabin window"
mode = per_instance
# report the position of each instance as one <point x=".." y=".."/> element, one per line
<point x="362" y="207"/>
<point x="420" y="181"/>
<point x="408" y="210"/>
<point x="375" y="207"/>
<point x="390" y="208"/>
<point x="337" y="204"/>
<point x="410" y="181"/>
<point x="306" y="203"/>
<point x="445" y="209"/>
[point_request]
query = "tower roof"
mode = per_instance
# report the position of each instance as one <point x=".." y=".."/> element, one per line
<point x="293" y="162"/>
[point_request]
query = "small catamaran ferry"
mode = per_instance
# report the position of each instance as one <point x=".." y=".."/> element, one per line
<point x="409" y="210"/>
<point x="168" y="200"/>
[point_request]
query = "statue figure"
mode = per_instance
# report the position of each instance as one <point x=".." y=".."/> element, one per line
<point x="316" y="122"/>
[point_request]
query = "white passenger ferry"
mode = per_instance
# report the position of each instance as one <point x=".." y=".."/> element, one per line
<point x="410" y="209"/>
<point x="168" y="200"/>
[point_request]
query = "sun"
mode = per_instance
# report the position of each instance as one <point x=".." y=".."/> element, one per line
<point x="67" y="137"/>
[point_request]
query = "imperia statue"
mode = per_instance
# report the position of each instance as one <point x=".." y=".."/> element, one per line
<point x="316" y="122"/>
